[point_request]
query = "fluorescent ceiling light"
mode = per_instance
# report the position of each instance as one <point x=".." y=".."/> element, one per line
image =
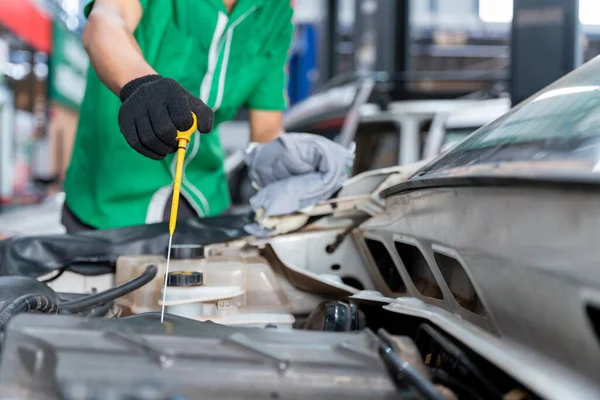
<point x="498" y="11"/>
<point x="589" y="12"/>
<point x="501" y="11"/>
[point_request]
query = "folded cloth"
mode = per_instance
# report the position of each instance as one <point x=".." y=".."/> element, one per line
<point x="295" y="171"/>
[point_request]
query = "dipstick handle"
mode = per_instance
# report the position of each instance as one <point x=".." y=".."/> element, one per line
<point x="183" y="138"/>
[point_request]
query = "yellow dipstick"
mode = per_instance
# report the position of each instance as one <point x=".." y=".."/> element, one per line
<point x="183" y="138"/>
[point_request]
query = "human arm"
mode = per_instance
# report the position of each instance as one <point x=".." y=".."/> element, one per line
<point x="108" y="39"/>
<point x="265" y="125"/>
<point x="153" y="107"/>
<point x="268" y="99"/>
<point x="294" y="170"/>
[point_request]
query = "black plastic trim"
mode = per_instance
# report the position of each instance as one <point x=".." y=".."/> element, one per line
<point x="563" y="182"/>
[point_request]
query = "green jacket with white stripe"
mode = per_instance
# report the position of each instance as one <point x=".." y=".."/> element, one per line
<point x="229" y="60"/>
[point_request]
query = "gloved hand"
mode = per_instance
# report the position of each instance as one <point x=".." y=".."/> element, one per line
<point x="295" y="171"/>
<point x="153" y="109"/>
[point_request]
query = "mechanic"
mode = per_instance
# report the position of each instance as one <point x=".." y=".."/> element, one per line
<point x="150" y="59"/>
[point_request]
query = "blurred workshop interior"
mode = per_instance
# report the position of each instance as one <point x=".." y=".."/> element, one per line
<point x="415" y="59"/>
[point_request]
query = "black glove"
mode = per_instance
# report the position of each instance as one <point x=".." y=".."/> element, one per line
<point x="153" y="109"/>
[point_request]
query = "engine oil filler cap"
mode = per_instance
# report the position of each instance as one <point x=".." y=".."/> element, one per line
<point x="185" y="278"/>
<point x="187" y="251"/>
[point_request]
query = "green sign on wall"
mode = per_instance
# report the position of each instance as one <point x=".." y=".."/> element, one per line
<point x="68" y="67"/>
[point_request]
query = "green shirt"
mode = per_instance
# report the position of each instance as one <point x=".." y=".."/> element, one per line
<point x="228" y="60"/>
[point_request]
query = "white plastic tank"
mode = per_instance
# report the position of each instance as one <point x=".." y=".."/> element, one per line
<point x="229" y="290"/>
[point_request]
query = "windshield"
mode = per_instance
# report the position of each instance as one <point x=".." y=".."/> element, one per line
<point x="455" y="136"/>
<point x="555" y="131"/>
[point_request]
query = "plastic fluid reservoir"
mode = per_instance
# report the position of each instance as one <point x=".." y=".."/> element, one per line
<point x="207" y="286"/>
<point x="145" y="298"/>
<point x="183" y="258"/>
<point x="227" y="290"/>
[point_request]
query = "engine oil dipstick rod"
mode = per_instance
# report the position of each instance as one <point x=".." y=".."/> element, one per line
<point x="183" y="139"/>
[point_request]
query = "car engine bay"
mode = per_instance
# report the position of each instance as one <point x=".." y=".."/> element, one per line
<point x="342" y="301"/>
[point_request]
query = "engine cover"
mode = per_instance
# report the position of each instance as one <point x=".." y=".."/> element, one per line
<point x="68" y="357"/>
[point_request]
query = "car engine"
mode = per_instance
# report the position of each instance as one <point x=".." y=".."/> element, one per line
<point x="319" y="309"/>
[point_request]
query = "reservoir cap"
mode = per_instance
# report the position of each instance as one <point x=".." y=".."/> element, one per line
<point x="186" y="251"/>
<point x="185" y="278"/>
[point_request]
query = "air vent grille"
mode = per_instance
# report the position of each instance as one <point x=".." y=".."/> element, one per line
<point x="459" y="283"/>
<point x="385" y="265"/>
<point x="419" y="270"/>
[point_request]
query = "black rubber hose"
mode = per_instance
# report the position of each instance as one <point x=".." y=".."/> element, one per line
<point x="54" y="277"/>
<point x="25" y="303"/>
<point x="402" y="373"/>
<point x="110" y="294"/>
<point x="99" y="311"/>
<point x="79" y="262"/>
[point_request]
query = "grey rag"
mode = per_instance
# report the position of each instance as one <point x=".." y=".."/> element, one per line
<point x="296" y="171"/>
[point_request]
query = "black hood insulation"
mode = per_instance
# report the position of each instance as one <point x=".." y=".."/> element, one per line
<point x="95" y="252"/>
